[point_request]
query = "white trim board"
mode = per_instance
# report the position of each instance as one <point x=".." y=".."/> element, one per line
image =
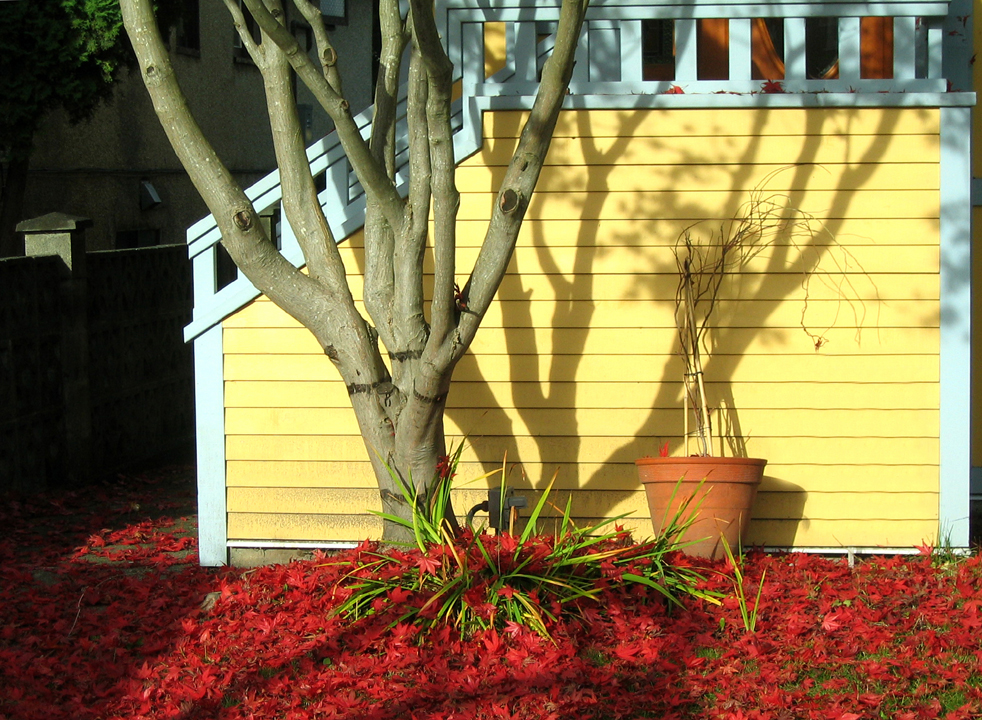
<point x="956" y="325"/>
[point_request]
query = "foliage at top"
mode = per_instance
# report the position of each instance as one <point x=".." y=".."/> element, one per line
<point x="54" y="53"/>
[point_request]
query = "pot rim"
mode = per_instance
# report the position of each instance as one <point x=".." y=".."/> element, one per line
<point x="700" y="460"/>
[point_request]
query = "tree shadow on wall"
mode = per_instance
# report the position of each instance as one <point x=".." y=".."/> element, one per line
<point x="780" y="506"/>
<point x="550" y="404"/>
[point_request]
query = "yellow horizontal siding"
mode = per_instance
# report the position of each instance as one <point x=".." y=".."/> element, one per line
<point x="804" y="533"/>
<point x="828" y="478"/>
<point x="802" y="518"/>
<point x="626" y="232"/>
<point x="823" y="204"/>
<point x="659" y="285"/>
<point x="610" y="341"/>
<point x="499" y="396"/>
<point x="842" y="533"/>
<point x="678" y="154"/>
<point x="881" y="454"/>
<point x="626" y="368"/>
<point x="626" y="178"/>
<point x="644" y="264"/>
<point x="299" y="526"/>
<point x="575" y="366"/>
<point x="769" y="423"/>
<point x="596" y="503"/>
<point x="715" y="125"/>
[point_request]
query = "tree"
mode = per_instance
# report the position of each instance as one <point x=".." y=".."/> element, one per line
<point x="399" y="405"/>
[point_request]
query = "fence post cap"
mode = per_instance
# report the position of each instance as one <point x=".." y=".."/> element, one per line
<point x="53" y="222"/>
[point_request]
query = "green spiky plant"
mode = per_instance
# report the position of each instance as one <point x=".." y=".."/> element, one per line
<point x="747" y="613"/>
<point x="475" y="581"/>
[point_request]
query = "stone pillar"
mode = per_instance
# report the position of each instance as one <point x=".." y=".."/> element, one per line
<point x="64" y="235"/>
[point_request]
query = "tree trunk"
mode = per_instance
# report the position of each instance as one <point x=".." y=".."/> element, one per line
<point x="400" y="405"/>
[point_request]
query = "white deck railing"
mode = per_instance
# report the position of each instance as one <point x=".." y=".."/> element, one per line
<point x="609" y="63"/>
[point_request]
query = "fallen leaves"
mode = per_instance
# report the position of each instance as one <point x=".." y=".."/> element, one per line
<point x="116" y="629"/>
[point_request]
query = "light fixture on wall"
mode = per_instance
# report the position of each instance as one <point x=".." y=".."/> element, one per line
<point x="149" y="197"/>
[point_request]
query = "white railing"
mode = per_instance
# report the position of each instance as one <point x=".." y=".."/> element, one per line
<point x="610" y="62"/>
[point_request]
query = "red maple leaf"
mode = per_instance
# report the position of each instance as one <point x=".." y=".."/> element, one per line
<point x="675" y="90"/>
<point x="427" y="565"/>
<point x="831" y="622"/>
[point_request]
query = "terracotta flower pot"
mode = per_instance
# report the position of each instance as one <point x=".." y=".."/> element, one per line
<point x="724" y="499"/>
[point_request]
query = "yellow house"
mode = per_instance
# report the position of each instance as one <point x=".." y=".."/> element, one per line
<point x="859" y="113"/>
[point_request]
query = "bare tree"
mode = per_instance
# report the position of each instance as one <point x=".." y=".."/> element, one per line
<point x="399" y="404"/>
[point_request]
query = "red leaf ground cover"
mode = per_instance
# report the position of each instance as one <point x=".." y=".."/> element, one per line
<point x="101" y="617"/>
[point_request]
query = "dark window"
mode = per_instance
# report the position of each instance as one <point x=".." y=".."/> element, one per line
<point x="821" y="47"/>
<point x="187" y="29"/>
<point x="658" y="49"/>
<point x="225" y="270"/>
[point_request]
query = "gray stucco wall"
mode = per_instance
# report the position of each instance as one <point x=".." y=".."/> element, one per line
<point x="94" y="169"/>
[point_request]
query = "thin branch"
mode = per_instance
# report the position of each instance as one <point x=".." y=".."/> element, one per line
<point x="407" y="260"/>
<point x="442" y="166"/>
<point x="371" y="175"/>
<point x="394" y="39"/>
<point x="242" y="28"/>
<point x="299" y="191"/>
<point x="703" y="265"/>
<point x="326" y="53"/>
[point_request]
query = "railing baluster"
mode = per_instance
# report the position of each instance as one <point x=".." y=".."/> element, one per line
<point x="740" y="54"/>
<point x="904" y="48"/>
<point x="686" y="69"/>
<point x="521" y="46"/>
<point x="795" y="65"/>
<point x="849" y="52"/>
<point x="631" y="57"/>
<point x="604" y="47"/>
<point x="581" y="64"/>
<point x="288" y="239"/>
<point x="935" y="37"/>
<point x="336" y="190"/>
<point x="472" y="58"/>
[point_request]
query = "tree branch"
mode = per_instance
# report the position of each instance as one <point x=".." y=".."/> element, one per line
<point x="300" y="202"/>
<point x="407" y="261"/>
<point x="443" y="168"/>
<point x="239" y="21"/>
<point x="371" y="175"/>
<point x="326" y="53"/>
<point x="394" y="39"/>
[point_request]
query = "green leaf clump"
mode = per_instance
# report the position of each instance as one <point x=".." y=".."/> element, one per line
<point x="476" y="581"/>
